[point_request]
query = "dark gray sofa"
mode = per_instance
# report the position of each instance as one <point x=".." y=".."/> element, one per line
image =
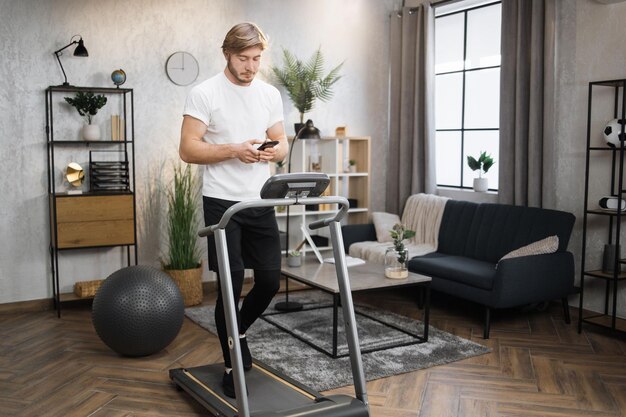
<point x="472" y="239"/>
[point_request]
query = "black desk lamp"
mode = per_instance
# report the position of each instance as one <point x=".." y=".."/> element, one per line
<point x="309" y="131"/>
<point x="79" y="51"/>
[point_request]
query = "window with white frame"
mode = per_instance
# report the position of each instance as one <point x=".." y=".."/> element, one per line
<point x="467" y="90"/>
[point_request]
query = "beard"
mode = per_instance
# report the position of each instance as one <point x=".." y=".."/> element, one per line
<point x="244" y="77"/>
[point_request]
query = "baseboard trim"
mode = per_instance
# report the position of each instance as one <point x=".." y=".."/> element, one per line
<point x="30" y="306"/>
<point x="33" y="306"/>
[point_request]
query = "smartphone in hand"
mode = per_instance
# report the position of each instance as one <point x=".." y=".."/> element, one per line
<point x="266" y="145"/>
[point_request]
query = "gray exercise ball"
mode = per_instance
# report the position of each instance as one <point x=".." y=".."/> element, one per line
<point x="138" y="310"/>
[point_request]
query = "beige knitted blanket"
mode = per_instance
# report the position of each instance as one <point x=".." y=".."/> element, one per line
<point x="422" y="214"/>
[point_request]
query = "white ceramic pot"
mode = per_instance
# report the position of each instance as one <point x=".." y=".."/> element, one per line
<point x="481" y="184"/>
<point x="294" y="261"/>
<point x="91" y="132"/>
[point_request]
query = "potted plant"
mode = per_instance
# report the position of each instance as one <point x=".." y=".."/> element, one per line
<point x="294" y="258"/>
<point x="280" y="167"/>
<point x="305" y="82"/>
<point x="182" y="261"/>
<point x="352" y="165"/>
<point x="87" y="104"/>
<point x="397" y="256"/>
<point x="482" y="164"/>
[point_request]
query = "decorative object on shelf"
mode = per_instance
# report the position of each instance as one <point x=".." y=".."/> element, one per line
<point x="118" y="77"/>
<point x="294" y="258"/>
<point x="611" y="252"/>
<point x="482" y="165"/>
<point x="305" y="82"/>
<point x="341" y="131"/>
<point x="75" y="175"/>
<point x="614" y="132"/>
<point x="397" y="256"/>
<point x="118" y="128"/>
<point x="87" y="289"/>
<point x="183" y="261"/>
<point x="138" y="311"/>
<point x="108" y="171"/>
<point x="611" y="203"/>
<point x="352" y="165"/>
<point x="80" y="50"/>
<point x="182" y="68"/>
<point x="87" y="105"/>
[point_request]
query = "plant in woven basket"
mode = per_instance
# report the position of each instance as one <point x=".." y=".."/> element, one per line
<point x="182" y="220"/>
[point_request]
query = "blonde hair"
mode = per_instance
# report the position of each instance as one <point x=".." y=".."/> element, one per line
<point x="243" y="36"/>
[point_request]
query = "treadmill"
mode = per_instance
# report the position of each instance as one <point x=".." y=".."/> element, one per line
<point x="271" y="394"/>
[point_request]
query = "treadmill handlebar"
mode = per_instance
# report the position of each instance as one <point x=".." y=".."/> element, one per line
<point x="271" y="202"/>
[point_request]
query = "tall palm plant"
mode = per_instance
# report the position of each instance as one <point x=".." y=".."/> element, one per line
<point x="304" y="81"/>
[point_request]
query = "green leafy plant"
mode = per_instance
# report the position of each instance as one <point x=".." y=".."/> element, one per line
<point x="399" y="233"/>
<point x="352" y="162"/>
<point x="304" y="81"/>
<point x="182" y="220"/>
<point x="482" y="164"/>
<point x="87" y="104"/>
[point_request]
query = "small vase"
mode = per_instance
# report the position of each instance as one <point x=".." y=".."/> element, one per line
<point x="396" y="263"/>
<point x="91" y="132"/>
<point x="294" y="260"/>
<point x="481" y="184"/>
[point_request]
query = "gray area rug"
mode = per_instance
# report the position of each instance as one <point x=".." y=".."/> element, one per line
<point x="296" y="359"/>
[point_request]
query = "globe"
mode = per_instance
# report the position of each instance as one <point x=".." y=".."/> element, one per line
<point x="118" y="77"/>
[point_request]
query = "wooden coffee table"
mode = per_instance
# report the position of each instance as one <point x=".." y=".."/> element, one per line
<point x="364" y="277"/>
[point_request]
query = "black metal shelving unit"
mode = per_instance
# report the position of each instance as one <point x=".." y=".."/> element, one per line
<point x="54" y="96"/>
<point x="608" y="317"/>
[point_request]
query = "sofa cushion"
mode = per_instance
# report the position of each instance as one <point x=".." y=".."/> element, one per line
<point x="472" y="272"/>
<point x="540" y="247"/>
<point x="384" y="222"/>
<point x="455" y="226"/>
<point x="375" y="251"/>
<point x="497" y="229"/>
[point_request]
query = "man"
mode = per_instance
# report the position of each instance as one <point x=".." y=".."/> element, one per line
<point x="225" y="120"/>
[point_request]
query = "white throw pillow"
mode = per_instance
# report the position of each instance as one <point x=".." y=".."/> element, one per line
<point x="540" y="247"/>
<point x="384" y="222"/>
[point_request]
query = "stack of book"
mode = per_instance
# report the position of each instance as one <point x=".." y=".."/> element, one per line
<point x="118" y="129"/>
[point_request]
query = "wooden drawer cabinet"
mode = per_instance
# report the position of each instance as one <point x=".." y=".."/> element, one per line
<point x="88" y="221"/>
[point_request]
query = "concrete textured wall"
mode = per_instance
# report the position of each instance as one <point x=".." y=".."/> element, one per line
<point x="590" y="48"/>
<point x="138" y="36"/>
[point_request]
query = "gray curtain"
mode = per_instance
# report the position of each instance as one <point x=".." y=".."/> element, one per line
<point x="526" y="103"/>
<point x="411" y="151"/>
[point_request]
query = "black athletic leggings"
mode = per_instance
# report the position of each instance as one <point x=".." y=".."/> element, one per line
<point x="266" y="284"/>
<point x="252" y="242"/>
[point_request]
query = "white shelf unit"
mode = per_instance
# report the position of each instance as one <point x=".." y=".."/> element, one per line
<point x="335" y="154"/>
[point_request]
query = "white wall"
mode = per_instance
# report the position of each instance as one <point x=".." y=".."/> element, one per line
<point x="138" y="36"/>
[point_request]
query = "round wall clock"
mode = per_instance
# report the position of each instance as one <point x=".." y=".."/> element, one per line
<point x="182" y="68"/>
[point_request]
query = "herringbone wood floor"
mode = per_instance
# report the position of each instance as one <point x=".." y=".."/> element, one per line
<point x="539" y="366"/>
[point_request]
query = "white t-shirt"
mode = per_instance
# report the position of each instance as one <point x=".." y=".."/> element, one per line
<point x="234" y="114"/>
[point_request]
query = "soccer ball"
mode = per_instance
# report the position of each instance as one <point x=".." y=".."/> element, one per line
<point x="613" y="132"/>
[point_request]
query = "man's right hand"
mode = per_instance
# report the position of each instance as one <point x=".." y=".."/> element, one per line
<point x="248" y="153"/>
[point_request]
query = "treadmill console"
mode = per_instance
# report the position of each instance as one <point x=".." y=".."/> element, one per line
<point x="296" y="184"/>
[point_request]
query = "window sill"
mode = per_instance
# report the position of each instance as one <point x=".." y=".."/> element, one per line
<point x="468" y="195"/>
